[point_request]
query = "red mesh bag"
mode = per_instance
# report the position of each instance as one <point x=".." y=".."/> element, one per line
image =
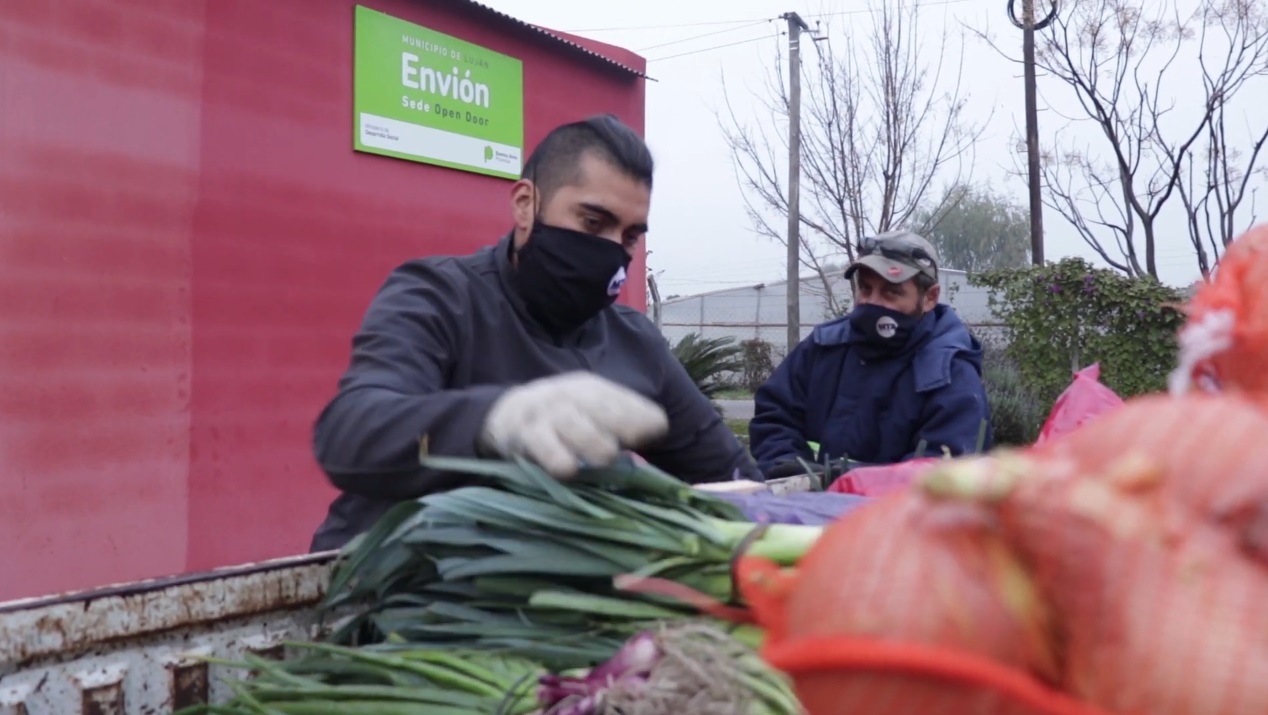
<point x="1116" y="570"/>
<point x="1224" y="341"/>
<point x="1083" y="400"/>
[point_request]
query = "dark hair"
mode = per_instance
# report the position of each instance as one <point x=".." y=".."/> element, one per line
<point x="555" y="162"/>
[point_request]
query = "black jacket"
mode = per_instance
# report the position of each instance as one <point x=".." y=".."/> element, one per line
<point x="442" y="340"/>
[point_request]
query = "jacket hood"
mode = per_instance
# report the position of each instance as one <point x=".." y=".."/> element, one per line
<point x="950" y="333"/>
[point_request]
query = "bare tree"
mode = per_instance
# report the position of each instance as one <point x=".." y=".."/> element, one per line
<point x="882" y="132"/>
<point x="1213" y="190"/>
<point x="1152" y="144"/>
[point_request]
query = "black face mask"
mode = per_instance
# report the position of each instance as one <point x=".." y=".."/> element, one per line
<point x="566" y="277"/>
<point x="879" y="331"/>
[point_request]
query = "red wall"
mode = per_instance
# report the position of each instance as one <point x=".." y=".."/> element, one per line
<point x="187" y="244"/>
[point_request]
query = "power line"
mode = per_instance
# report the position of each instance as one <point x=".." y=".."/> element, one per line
<point x="751" y="23"/>
<point x="631" y="28"/>
<point x="700" y="37"/>
<point x="868" y="11"/>
<point x="715" y="47"/>
<point x="667" y="27"/>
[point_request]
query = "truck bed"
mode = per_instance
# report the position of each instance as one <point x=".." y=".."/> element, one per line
<point x="133" y="649"/>
<point x="136" y="648"/>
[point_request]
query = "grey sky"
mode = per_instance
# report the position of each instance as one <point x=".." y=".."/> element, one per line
<point x="701" y="239"/>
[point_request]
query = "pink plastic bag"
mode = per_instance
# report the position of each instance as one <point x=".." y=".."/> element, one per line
<point x="1084" y="399"/>
<point x="882" y="479"/>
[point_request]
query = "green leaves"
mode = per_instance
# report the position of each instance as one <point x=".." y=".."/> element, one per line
<point x="525" y="563"/>
<point x="708" y="361"/>
<point x="324" y="679"/>
<point x="1017" y="413"/>
<point x="1067" y="315"/>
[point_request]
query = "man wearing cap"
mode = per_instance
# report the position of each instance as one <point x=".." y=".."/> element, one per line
<point x="898" y="377"/>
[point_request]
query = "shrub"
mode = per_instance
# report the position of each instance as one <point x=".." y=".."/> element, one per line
<point x="1064" y="316"/>
<point x="757" y="363"/>
<point x="1016" y="412"/>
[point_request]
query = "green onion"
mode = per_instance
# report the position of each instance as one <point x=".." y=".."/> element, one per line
<point x="525" y="564"/>
<point x="333" y="680"/>
<point x="687" y="667"/>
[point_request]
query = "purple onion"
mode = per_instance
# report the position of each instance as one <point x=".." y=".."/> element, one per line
<point x="630" y="668"/>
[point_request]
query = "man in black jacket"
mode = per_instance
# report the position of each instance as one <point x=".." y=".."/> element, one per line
<point x="519" y="349"/>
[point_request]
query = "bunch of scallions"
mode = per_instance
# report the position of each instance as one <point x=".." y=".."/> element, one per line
<point x="526" y="565"/>
<point x="683" y="668"/>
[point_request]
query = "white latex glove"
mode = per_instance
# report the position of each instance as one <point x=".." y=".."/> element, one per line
<point x="566" y="421"/>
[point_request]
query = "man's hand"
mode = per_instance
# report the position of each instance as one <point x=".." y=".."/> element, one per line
<point x="570" y="420"/>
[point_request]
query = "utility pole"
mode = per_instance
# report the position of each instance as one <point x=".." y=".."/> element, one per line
<point x="1028" y="26"/>
<point x="795" y="26"/>
<point x="1032" y="132"/>
<point x="654" y="291"/>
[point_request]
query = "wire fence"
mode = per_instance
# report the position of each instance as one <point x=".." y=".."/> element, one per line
<point x="776" y="334"/>
<point x="764" y="341"/>
<point x="761" y="312"/>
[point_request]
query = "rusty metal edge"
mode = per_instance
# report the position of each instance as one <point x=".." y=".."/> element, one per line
<point x="164" y="582"/>
<point x="70" y="624"/>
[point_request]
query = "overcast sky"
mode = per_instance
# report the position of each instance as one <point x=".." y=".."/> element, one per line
<point x="701" y="239"/>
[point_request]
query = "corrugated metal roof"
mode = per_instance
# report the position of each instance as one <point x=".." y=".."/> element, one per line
<point x="562" y="40"/>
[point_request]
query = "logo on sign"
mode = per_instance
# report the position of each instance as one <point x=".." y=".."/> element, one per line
<point x="886" y="327"/>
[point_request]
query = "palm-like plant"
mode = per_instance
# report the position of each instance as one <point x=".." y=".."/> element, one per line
<point x="709" y="361"/>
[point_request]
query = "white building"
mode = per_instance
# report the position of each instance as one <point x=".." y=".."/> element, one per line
<point x="761" y="311"/>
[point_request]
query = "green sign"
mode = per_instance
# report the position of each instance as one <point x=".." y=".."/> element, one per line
<point x="424" y="96"/>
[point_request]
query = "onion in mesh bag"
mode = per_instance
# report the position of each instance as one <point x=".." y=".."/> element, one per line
<point x="907" y="572"/>
<point x="1224" y="342"/>
<point x="1144" y="531"/>
<point x="1212" y="449"/>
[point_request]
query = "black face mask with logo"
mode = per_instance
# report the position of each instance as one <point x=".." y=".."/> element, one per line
<point x="879" y="331"/>
<point x="566" y="277"/>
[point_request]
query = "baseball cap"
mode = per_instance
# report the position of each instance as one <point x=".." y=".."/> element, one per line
<point x="897" y="256"/>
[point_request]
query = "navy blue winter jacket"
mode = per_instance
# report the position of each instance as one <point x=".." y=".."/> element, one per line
<point x="878" y="411"/>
